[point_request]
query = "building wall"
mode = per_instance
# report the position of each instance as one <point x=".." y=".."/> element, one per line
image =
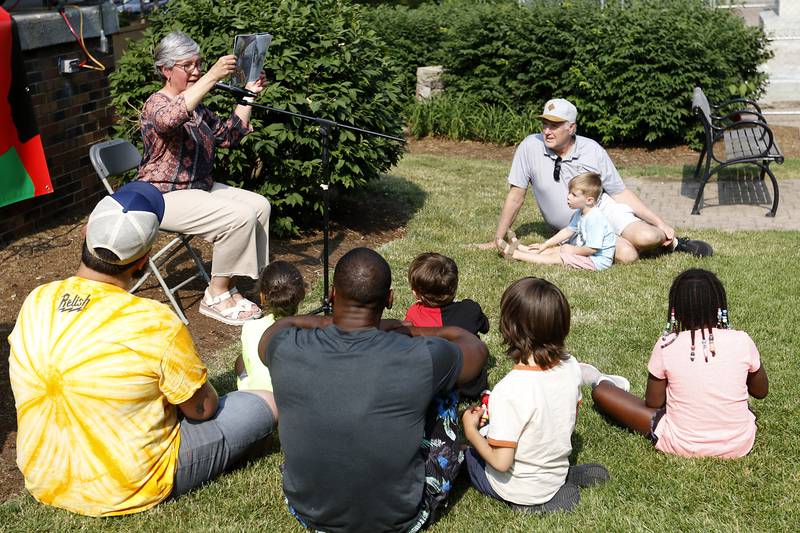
<point x="72" y="111"/>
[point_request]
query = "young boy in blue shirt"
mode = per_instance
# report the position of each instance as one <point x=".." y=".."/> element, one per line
<point x="586" y="243"/>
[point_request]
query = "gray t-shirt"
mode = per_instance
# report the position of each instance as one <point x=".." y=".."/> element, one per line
<point x="534" y="163"/>
<point x="352" y="416"/>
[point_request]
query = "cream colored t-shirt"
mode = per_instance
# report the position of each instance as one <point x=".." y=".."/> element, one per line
<point x="96" y="373"/>
<point x="534" y="411"/>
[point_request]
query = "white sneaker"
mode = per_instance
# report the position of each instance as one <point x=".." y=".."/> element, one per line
<point x="591" y="376"/>
<point x="619" y="381"/>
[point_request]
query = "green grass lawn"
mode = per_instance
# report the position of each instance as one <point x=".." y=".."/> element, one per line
<point x="789" y="169"/>
<point x="617" y="315"/>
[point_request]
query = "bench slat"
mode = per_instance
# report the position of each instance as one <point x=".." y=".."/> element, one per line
<point x="741" y="143"/>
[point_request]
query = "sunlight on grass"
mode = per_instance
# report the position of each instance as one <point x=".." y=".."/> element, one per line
<point x="790" y="169"/>
<point x="617" y="316"/>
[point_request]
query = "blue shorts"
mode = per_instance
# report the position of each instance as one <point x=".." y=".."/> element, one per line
<point x="476" y="468"/>
<point x="211" y="447"/>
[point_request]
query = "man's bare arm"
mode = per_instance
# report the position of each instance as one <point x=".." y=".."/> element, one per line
<point x="473" y="351"/>
<point x="203" y="403"/>
<point x="514" y="200"/>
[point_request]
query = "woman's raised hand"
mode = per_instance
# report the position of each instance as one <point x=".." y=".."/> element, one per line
<point x="223" y="68"/>
<point x="258" y="85"/>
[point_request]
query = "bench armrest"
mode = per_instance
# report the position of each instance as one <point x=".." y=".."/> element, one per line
<point x="738" y="115"/>
<point x="732" y="101"/>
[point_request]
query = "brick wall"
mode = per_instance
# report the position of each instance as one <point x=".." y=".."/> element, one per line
<point x="72" y="112"/>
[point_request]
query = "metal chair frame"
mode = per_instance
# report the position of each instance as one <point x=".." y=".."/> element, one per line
<point x="115" y="157"/>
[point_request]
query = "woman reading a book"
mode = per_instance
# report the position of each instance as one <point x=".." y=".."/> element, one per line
<point x="180" y="135"/>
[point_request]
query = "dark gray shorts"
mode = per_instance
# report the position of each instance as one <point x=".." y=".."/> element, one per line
<point x="657" y="416"/>
<point x="216" y="445"/>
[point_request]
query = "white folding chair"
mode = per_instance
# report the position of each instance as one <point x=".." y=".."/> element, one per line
<point x="115" y="157"/>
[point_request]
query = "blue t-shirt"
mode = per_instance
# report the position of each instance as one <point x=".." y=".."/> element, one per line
<point x="593" y="230"/>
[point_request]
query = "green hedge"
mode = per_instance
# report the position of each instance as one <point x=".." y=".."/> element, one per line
<point x="325" y="60"/>
<point x="630" y="68"/>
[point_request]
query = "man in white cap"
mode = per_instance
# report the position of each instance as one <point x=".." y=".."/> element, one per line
<point x="547" y="161"/>
<point x="100" y="377"/>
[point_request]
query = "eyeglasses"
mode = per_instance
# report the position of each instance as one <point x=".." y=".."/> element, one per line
<point x="557" y="169"/>
<point x="188" y="68"/>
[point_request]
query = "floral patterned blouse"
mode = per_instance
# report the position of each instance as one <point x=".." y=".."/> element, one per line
<point x="179" y="145"/>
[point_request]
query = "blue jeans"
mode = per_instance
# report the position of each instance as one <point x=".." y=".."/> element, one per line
<point x="214" y="446"/>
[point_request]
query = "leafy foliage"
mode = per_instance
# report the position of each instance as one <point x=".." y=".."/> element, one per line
<point x="324" y="60"/>
<point x="629" y="68"/>
<point x="464" y="117"/>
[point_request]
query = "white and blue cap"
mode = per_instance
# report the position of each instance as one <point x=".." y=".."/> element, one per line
<point x="126" y="223"/>
<point x="559" y="110"/>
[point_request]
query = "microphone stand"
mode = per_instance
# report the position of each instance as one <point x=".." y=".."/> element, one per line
<point x="325" y="126"/>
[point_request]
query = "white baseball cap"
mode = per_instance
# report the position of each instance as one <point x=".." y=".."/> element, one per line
<point x="559" y="110"/>
<point x="126" y="223"/>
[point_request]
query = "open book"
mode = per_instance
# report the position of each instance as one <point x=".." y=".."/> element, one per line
<point x="250" y="51"/>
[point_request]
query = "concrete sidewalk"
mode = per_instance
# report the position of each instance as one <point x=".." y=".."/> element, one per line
<point x="732" y="204"/>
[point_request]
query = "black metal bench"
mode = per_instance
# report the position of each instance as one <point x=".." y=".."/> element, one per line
<point x="747" y="138"/>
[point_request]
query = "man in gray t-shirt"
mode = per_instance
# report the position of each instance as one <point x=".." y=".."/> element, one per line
<point x="368" y="416"/>
<point x="547" y="161"/>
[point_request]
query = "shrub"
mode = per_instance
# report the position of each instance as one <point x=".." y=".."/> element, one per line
<point x="324" y="60"/>
<point x="463" y="117"/>
<point x="629" y="68"/>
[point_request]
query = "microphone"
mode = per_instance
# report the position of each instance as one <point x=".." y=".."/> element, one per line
<point x="235" y="91"/>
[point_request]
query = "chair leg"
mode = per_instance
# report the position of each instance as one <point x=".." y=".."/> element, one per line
<point x="774" y="209"/>
<point x="168" y="292"/>
<point x="201" y="270"/>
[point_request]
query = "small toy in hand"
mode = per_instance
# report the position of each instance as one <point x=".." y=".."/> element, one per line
<point x="484" y="425"/>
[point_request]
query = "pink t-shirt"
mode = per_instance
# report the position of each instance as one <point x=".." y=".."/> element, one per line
<point x="707" y="412"/>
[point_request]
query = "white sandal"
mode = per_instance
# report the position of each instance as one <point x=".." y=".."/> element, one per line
<point x="506" y="249"/>
<point x="229" y="315"/>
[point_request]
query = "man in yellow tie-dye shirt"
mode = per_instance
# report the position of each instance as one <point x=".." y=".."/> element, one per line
<point x="99" y="377"/>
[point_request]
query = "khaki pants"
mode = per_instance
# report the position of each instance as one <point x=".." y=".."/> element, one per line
<point x="234" y="220"/>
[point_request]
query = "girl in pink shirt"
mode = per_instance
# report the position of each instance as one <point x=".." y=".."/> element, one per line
<point x="699" y="376"/>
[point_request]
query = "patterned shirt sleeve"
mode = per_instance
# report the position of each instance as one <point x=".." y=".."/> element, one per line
<point x="165" y="114"/>
<point x="182" y="371"/>
<point x="227" y="133"/>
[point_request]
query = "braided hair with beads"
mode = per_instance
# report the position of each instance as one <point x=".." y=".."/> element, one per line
<point x="697" y="302"/>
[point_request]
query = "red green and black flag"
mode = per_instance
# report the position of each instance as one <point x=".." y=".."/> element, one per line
<point x="23" y="168"/>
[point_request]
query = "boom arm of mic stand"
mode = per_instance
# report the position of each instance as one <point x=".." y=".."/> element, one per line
<point x="323" y="121"/>
<point x="324" y="126"/>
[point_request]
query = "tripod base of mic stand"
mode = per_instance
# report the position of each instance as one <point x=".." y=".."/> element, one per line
<point x="326" y="308"/>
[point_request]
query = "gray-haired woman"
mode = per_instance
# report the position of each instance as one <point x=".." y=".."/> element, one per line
<point x="180" y="135"/>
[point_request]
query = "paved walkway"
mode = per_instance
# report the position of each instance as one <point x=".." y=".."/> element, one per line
<point x="732" y="204"/>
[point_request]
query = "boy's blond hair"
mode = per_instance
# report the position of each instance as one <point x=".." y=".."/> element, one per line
<point x="589" y="183"/>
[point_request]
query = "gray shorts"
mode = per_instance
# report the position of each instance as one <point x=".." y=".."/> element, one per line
<point x="211" y="447"/>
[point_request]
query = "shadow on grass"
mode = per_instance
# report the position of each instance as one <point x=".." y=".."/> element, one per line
<point x="577" y="447"/>
<point x="539" y="228"/>
<point x="385" y="204"/>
